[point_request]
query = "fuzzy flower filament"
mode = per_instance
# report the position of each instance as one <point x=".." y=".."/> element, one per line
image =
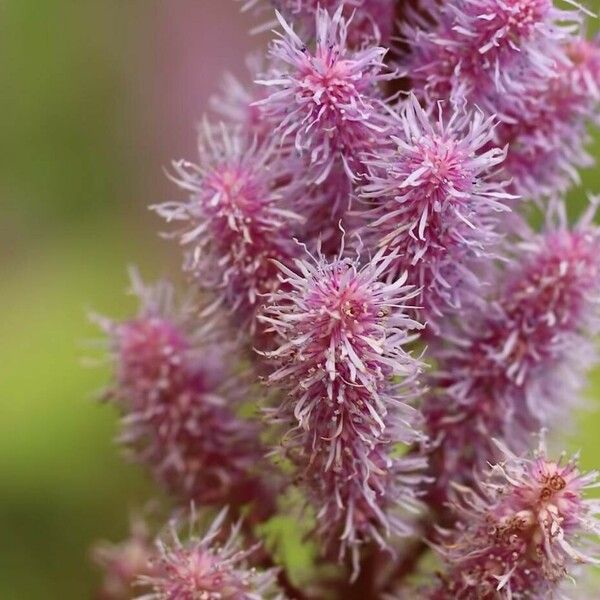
<point x="437" y="196"/>
<point x="178" y="400"/>
<point x="326" y="101"/>
<point x="342" y="362"/>
<point x="523" y="531"/>
<point x="235" y="222"/>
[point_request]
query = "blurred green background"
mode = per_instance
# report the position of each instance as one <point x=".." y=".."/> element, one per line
<point x="96" y="97"/>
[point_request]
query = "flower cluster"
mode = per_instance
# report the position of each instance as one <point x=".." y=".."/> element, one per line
<point x="522" y="532"/>
<point x="178" y="400"/>
<point x="517" y="365"/>
<point x="437" y="196"/>
<point x="358" y="230"/>
<point x="211" y="566"/>
<point x="326" y="102"/>
<point x="234" y="222"/>
<point x="524" y="61"/>
<point x="347" y="375"/>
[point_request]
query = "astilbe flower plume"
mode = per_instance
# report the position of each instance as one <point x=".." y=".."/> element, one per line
<point x="342" y="362"/>
<point x="207" y="567"/>
<point x="177" y="397"/>
<point x="546" y="141"/>
<point x="492" y="53"/>
<point x="424" y="132"/>
<point x="326" y="101"/>
<point x="436" y="198"/>
<point x="522" y="532"/>
<point x="508" y="370"/>
<point x="235" y="222"/>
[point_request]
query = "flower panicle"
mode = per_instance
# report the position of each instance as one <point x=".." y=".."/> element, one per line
<point x="520" y="364"/>
<point x="325" y="101"/>
<point x="437" y="203"/>
<point x="349" y="381"/>
<point x="178" y="397"/>
<point x="236" y="220"/>
<point x="526" y="526"/>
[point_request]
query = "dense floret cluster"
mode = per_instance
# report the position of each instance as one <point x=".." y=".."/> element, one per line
<point x="375" y="332"/>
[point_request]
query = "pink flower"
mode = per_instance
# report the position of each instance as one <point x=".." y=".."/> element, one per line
<point x="492" y="53"/>
<point x="326" y="102"/>
<point x="507" y="371"/>
<point x="176" y="395"/>
<point x="523" y="530"/>
<point x="342" y="363"/>
<point x="235" y="222"/>
<point x="210" y="567"/>
<point x="437" y="197"/>
<point x="546" y="141"/>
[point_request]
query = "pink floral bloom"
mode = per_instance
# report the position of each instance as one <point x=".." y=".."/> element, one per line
<point x="546" y="141"/>
<point x="176" y="395"/>
<point x="518" y="365"/>
<point x="437" y="197"/>
<point x="493" y="53"/>
<point x="327" y="101"/>
<point x="124" y="563"/>
<point x="521" y="532"/>
<point x="342" y="363"/>
<point x="234" y="223"/>
<point x="207" y="568"/>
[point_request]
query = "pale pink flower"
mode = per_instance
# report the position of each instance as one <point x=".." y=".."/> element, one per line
<point x="520" y="364"/>
<point x="235" y="221"/>
<point x="521" y="532"/>
<point x="177" y="394"/>
<point x="437" y="196"/>
<point x="347" y="377"/>
<point x="326" y="100"/>
<point x="213" y="566"/>
<point x="492" y="53"/>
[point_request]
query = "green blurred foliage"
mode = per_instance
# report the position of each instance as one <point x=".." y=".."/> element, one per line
<point x="69" y="230"/>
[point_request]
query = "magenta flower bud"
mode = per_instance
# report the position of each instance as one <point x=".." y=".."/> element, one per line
<point x="235" y="222"/>
<point x="176" y="396"/>
<point x="437" y="197"/>
<point x="519" y="365"/>
<point x="208" y="567"/>
<point x="523" y="530"/>
<point x="342" y="363"/>
<point x="325" y="101"/>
